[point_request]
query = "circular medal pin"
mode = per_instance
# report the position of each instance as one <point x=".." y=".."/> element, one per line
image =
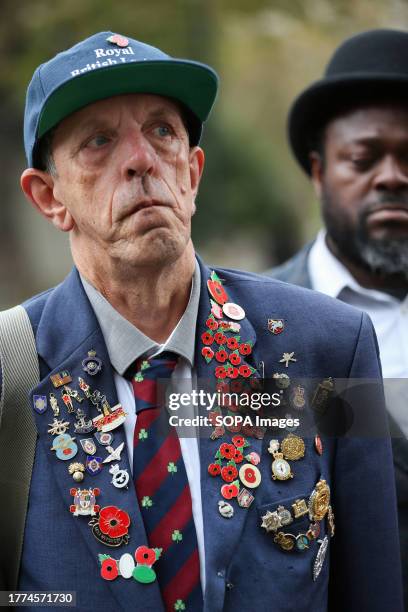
<point x="233" y="311"/>
<point x="92" y="364"/>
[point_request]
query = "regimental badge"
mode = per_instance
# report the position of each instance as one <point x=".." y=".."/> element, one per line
<point x="280" y="468"/>
<point x="300" y="508"/>
<point x="114" y="453"/>
<point x="287" y="358"/>
<point x="276" y="326"/>
<point x="58" y="427"/>
<point x="322" y="395"/>
<point x="88" y="445"/>
<point x="110" y="419"/>
<point x="84" y="502"/>
<point x="40" y="403"/>
<point x="111" y="526"/>
<point x="319" y="501"/>
<point x="245" y="498"/>
<point x="65" y="447"/>
<point x="83" y="425"/>
<point x="77" y="471"/>
<point x="92" y="365"/>
<point x="54" y="405"/>
<point x="225" y="509"/>
<point x="298" y="397"/>
<point x="286" y="541"/>
<point x="93" y="465"/>
<point x="282" y="380"/>
<point x="61" y="378"/>
<point x="120" y="477"/>
<point x="320" y="557"/>
<point x="272" y="521"/>
<point x="104" y="438"/>
<point x="293" y="447"/>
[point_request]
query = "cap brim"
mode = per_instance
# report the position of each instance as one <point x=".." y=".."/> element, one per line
<point x="192" y="83"/>
<point x="319" y="104"/>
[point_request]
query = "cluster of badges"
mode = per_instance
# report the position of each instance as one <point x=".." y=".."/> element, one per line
<point x="108" y="524"/>
<point x="291" y="448"/>
<point x="227" y="458"/>
<point x="222" y="343"/>
<point x="317" y="508"/>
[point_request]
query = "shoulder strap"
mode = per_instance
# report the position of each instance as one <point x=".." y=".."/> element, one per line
<point x="19" y="374"/>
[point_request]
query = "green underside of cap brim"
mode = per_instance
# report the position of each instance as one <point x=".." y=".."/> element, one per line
<point x="192" y="84"/>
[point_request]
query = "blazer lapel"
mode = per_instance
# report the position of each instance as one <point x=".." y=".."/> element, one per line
<point x="221" y="535"/>
<point x="63" y="349"/>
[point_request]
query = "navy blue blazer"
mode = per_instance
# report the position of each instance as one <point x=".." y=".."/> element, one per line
<point x="295" y="270"/>
<point x="245" y="569"/>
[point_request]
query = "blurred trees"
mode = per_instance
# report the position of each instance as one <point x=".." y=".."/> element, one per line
<point x="255" y="207"/>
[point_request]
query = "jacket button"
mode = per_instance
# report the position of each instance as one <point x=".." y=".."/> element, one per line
<point x="230" y="585"/>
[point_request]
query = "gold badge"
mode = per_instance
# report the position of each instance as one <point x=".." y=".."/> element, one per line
<point x="293" y="447"/>
<point x="285" y="540"/>
<point x="300" y="508"/>
<point x="319" y="501"/>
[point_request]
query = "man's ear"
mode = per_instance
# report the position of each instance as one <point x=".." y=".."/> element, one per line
<point x="38" y="187"/>
<point x="316" y="167"/>
<point x="197" y="159"/>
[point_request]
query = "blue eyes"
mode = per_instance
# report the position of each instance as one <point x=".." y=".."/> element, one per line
<point x="163" y="131"/>
<point x="98" y="141"/>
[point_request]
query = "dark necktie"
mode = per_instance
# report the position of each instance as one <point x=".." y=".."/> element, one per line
<point x="162" y="489"/>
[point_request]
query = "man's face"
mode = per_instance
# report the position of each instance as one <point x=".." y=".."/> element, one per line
<point x="363" y="185"/>
<point x="128" y="179"/>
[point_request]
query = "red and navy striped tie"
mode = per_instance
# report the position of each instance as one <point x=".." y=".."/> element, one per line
<point x="162" y="489"/>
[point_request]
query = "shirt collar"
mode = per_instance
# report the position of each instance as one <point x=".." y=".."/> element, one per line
<point x="126" y="343"/>
<point x="330" y="276"/>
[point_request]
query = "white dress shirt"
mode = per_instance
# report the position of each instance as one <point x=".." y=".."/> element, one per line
<point x="388" y="314"/>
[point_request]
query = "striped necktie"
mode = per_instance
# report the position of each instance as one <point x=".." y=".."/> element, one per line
<point x="162" y="489"/>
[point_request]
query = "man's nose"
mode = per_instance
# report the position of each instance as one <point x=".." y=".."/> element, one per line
<point x="139" y="156"/>
<point x="392" y="174"/>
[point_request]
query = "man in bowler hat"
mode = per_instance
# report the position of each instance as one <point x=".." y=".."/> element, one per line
<point x="349" y="133"/>
<point x="144" y="520"/>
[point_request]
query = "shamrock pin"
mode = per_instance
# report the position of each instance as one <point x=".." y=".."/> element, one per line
<point x="177" y="536"/>
<point x="143" y="435"/>
<point x="179" y="605"/>
<point x="138" y="377"/>
<point x="147" y="502"/>
<point x="172" y="468"/>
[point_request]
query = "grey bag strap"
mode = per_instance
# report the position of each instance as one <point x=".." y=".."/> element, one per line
<point x="18" y="435"/>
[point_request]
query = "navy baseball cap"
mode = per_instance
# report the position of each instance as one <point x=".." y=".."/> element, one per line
<point x="108" y="64"/>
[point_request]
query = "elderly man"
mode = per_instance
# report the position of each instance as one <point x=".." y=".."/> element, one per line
<point x="349" y="132"/>
<point x="122" y="510"/>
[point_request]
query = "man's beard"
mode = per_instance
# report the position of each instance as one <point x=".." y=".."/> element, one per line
<point x="382" y="257"/>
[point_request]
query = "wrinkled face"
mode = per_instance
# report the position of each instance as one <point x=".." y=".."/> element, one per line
<point x="127" y="176"/>
<point x="363" y="184"/>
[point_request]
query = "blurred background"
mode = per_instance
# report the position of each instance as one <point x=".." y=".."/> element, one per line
<point x="255" y="207"/>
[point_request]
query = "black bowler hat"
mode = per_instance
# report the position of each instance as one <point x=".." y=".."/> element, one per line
<point x="366" y="67"/>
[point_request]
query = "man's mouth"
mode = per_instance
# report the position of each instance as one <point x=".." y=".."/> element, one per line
<point x="388" y="214"/>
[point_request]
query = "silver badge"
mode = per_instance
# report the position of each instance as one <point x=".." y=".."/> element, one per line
<point x="320" y="557"/>
<point x="120" y="477"/>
